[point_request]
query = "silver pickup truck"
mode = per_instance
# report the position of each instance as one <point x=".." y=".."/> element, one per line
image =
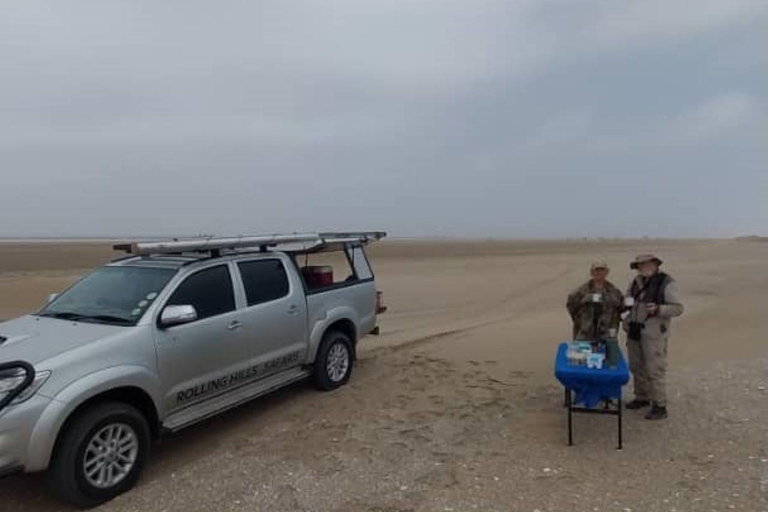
<point x="169" y="335"/>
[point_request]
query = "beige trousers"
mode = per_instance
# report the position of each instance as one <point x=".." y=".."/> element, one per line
<point x="648" y="364"/>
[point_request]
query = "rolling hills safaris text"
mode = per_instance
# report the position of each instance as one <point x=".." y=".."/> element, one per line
<point x="230" y="380"/>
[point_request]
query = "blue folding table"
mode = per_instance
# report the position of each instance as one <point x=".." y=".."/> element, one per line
<point x="590" y="386"/>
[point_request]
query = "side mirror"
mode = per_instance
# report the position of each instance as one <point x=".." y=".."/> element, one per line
<point x="51" y="297"/>
<point x="177" y="315"/>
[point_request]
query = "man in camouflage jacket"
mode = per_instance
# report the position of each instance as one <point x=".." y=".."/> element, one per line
<point x="596" y="306"/>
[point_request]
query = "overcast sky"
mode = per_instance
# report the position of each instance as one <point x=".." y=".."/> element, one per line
<point x="528" y="118"/>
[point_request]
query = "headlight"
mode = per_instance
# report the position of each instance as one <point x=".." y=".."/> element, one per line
<point x="12" y="379"/>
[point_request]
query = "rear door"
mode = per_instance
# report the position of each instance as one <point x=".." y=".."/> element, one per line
<point x="275" y="316"/>
<point x="211" y="355"/>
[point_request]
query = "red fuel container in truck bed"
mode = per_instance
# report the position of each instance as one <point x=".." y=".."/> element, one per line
<point x="318" y="277"/>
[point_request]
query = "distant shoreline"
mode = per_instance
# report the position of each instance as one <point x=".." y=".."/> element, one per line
<point x="77" y="240"/>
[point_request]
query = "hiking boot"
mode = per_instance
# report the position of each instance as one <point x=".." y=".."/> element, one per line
<point x="656" y="413"/>
<point x="637" y="404"/>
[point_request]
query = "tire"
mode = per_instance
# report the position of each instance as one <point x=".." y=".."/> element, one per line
<point x="103" y="426"/>
<point x="333" y="364"/>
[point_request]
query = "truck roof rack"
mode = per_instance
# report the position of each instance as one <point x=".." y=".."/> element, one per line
<point x="295" y="243"/>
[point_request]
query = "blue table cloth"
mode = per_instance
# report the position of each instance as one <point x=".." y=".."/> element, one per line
<point x="590" y="384"/>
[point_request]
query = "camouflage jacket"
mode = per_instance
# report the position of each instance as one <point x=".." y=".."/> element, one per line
<point x="583" y="312"/>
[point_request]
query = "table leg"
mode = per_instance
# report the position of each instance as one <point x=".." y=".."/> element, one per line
<point x="568" y="401"/>
<point x="620" y="429"/>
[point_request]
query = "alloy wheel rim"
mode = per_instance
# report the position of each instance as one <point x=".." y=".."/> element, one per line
<point x="110" y="455"/>
<point x="338" y="362"/>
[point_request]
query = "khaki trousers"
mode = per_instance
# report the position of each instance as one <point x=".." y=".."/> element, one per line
<point x="648" y="364"/>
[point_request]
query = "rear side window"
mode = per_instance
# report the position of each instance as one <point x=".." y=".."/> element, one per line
<point x="360" y="263"/>
<point x="326" y="269"/>
<point x="209" y="291"/>
<point x="264" y="280"/>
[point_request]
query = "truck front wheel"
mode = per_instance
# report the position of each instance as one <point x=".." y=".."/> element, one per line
<point x="100" y="454"/>
<point x="333" y="364"/>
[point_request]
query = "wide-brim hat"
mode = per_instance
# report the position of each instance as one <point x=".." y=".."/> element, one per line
<point x="644" y="258"/>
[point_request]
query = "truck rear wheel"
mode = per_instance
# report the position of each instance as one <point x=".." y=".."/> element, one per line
<point x="100" y="454"/>
<point x="333" y="364"/>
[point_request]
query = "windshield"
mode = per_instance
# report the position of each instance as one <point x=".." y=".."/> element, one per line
<point x="112" y="295"/>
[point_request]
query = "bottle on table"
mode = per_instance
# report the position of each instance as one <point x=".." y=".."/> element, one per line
<point x="612" y="348"/>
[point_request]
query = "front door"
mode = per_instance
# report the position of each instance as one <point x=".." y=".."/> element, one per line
<point x="275" y="319"/>
<point x="207" y="357"/>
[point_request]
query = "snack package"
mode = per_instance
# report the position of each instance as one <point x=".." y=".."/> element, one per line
<point x="595" y="361"/>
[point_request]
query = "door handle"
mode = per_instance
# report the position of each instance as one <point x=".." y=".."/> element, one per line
<point x="234" y="324"/>
<point x="293" y="309"/>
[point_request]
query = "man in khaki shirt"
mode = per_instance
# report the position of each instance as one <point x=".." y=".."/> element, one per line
<point x="655" y="302"/>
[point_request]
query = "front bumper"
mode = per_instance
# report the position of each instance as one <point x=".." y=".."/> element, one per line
<point x="17" y="422"/>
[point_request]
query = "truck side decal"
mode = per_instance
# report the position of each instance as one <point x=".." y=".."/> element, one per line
<point x="238" y="377"/>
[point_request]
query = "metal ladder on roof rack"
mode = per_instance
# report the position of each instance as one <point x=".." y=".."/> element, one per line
<point x="214" y="245"/>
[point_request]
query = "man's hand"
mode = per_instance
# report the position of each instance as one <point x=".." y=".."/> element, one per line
<point x="652" y="308"/>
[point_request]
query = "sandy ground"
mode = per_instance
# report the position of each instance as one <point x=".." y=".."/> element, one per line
<point x="455" y="407"/>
